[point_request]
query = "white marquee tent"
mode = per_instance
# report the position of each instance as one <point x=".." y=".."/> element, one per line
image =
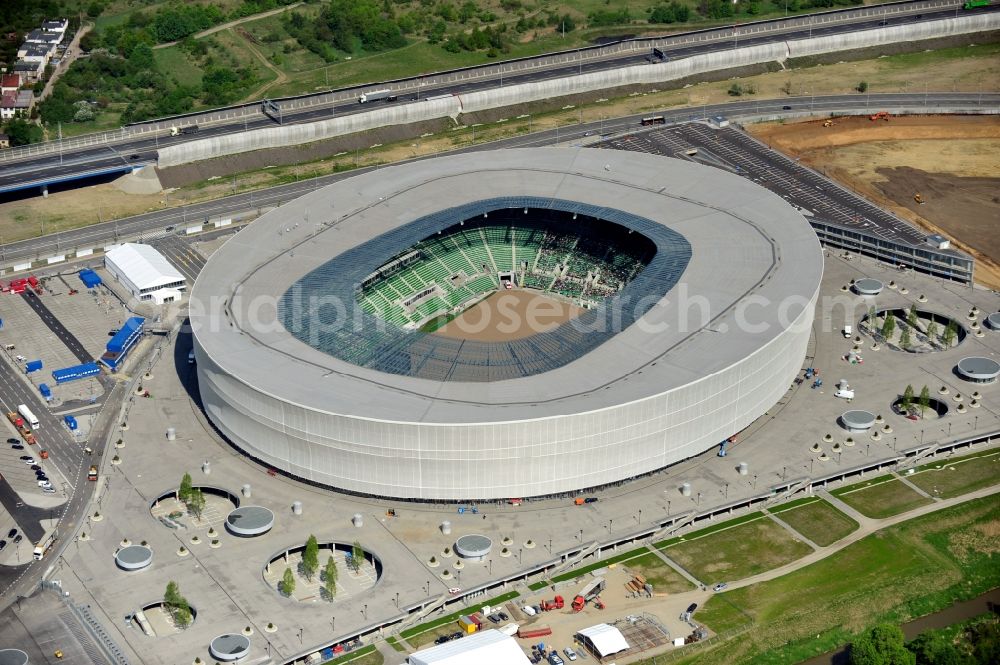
<point x="489" y="647"/>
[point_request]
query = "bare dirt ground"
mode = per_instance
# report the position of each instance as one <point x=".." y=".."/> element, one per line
<point x="509" y="315"/>
<point x="951" y="161"/>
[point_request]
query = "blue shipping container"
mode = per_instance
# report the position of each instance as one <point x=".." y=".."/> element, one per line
<point x="70" y="422"/>
<point x="126" y="336"/>
<point x="75" y="372"/>
<point x="45" y="390"/>
<point x="90" y="278"/>
<point x="33" y="366"/>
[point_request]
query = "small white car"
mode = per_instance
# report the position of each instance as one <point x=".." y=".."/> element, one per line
<point x="30" y="461"/>
<point x="44" y="484"/>
<point x="570" y="654"/>
<point x="844" y="393"/>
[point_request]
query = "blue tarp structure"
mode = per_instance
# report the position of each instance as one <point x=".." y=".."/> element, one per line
<point x="123" y="341"/>
<point x="70" y="422"/>
<point x="90" y="278"/>
<point x="45" y="390"/>
<point x="33" y="366"/>
<point x="75" y="372"/>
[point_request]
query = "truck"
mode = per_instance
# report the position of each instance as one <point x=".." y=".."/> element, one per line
<point x="376" y="95"/>
<point x="43" y="547"/>
<point x="556" y="603"/>
<point x="92" y="473"/>
<point x="588" y="593"/>
<point x="190" y="129"/>
<point x="28" y="416"/>
<point x="973" y="4"/>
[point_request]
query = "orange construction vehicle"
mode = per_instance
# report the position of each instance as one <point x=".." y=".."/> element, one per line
<point x="556" y="603"/>
<point x="881" y="115"/>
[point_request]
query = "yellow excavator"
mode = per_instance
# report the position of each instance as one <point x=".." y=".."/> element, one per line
<point x="828" y="123"/>
<point x="918" y="198"/>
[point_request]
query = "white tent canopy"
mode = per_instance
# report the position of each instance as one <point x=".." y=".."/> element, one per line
<point x="605" y="639"/>
<point x="146" y="273"/>
<point x="489" y="647"/>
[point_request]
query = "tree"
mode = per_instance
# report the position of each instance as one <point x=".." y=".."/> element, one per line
<point x="330" y="577"/>
<point x="310" y="557"/>
<point x="287" y="584"/>
<point x="882" y="645"/>
<point x="177" y="605"/>
<point x="184" y="491"/>
<point x="924" y="400"/>
<point x="22" y="132"/>
<point x="889" y="326"/>
<point x="934" y="648"/>
<point x="872" y="317"/>
<point x="950" y="333"/>
<point x="904" y="337"/>
<point x="907" y="400"/>
<point x="196" y="502"/>
<point x="862" y="87"/>
<point x="357" y="556"/>
<point x="911" y="316"/>
<point x="932" y="331"/>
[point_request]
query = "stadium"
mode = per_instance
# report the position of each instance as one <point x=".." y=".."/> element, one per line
<point x="515" y="323"/>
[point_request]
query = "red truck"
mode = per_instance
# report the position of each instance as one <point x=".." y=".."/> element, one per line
<point x="556" y="603"/>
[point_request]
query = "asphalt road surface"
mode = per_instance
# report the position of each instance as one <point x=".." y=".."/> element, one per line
<point x="57" y="327"/>
<point x="55" y="166"/>
<point x="149" y="226"/>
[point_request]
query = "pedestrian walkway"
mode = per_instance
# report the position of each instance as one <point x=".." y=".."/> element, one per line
<point x="863" y="520"/>
<point x="676" y="566"/>
<point x="787" y="527"/>
<point x="913" y="487"/>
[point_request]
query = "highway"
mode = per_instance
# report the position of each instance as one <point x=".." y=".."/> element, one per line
<point x="73" y="161"/>
<point x="152" y="225"/>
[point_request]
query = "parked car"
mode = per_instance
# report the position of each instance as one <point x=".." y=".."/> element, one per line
<point x="456" y="635"/>
<point x="35" y="467"/>
<point x="44" y="484"/>
<point x="442" y="639"/>
<point x="570" y="654"/>
<point x="494" y="618"/>
<point x="12" y="441"/>
<point x="720" y="586"/>
<point x="554" y="659"/>
<point x="49" y="490"/>
<point x="503" y="616"/>
<point x="692" y="607"/>
<point x="3" y="544"/>
<point x="17" y="446"/>
<point x="12" y="533"/>
<point x="18" y="538"/>
<point x="28" y="459"/>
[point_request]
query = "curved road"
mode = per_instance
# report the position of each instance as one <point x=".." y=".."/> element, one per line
<point x="153" y="224"/>
<point x="74" y="160"/>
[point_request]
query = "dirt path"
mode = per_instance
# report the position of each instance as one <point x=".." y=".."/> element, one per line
<point x="280" y="76"/>
<point x="949" y="160"/>
<point x="72" y="53"/>
<point x="231" y="24"/>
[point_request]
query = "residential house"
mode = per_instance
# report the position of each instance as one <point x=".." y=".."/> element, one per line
<point x="10" y="83"/>
<point x="43" y="37"/>
<point x="29" y="71"/>
<point x="56" y="25"/>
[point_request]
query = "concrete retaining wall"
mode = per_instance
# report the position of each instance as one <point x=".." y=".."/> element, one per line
<point x="528" y="92"/>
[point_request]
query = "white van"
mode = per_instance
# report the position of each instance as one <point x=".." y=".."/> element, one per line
<point x="848" y="331"/>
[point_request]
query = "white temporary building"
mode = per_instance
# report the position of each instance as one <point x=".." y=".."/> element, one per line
<point x="489" y="647"/>
<point x="603" y="639"/>
<point x="145" y="273"/>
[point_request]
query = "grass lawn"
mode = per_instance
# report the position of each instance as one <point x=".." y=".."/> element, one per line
<point x="881" y="497"/>
<point x="819" y="522"/>
<point x="174" y="61"/>
<point x="660" y="575"/>
<point x="364" y="656"/>
<point x="958" y="475"/>
<point x="899" y="573"/>
<point x="742" y="551"/>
